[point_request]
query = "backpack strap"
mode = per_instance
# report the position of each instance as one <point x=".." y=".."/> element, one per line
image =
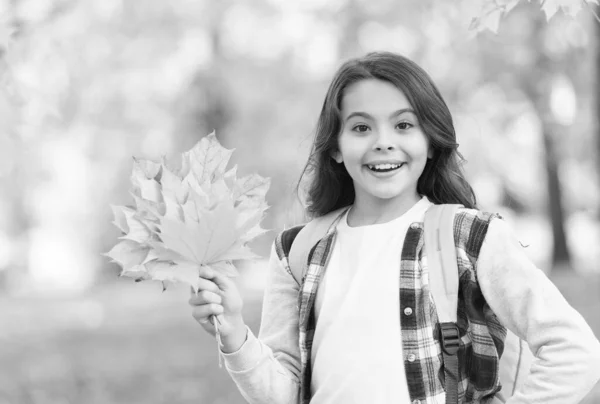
<point x="305" y="240"/>
<point x="443" y="286"/>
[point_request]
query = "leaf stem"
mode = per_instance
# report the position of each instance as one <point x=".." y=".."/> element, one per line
<point x="216" y="322"/>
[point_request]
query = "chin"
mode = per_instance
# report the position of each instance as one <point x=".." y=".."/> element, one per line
<point x="387" y="195"/>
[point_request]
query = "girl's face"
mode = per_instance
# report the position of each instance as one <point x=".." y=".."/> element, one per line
<point x="381" y="144"/>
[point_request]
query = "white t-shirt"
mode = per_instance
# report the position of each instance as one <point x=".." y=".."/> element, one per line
<point x="357" y="348"/>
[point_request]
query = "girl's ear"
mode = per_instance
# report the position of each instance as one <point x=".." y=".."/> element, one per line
<point x="430" y="153"/>
<point x="337" y="156"/>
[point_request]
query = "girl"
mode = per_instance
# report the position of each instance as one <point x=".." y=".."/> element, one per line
<point x="359" y="327"/>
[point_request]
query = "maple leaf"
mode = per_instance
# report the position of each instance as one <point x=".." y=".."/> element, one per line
<point x="208" y="159"/>
<point x="161" y="253"/>
<point x="186" y="218"/>
<point x="569" y="7"/>
<point x="128" y="253"/>
<point x="237" y="251"/>
<point x="491" y="11"/>
<point x="251" y="188"/>
<point x="172" y="209"/>
<point x="148" y="216"/>
<point x="143" y="168"/>
<point x="489" y="20"/>
<point x="119" y="214"/>
<point x="138" y="231"/>
<point x="212" y="238"/>
<point x="194" y="186"/>
<point x="138" y="272"/>
<point x="225" y="267"/>
<point x="230" y="178"/>
<point x="176" y="271"/>
<point x="171" y="184"/>
<point x="551" y="7"/>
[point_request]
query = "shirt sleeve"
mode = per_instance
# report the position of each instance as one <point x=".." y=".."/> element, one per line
<point x="267" y="369"/>
<point x="565" y="367"/>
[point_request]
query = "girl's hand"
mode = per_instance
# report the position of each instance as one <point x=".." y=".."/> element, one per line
<point x="219" y="296"/>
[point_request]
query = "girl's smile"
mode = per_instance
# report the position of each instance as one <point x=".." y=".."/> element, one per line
<point x="381" y="168"/>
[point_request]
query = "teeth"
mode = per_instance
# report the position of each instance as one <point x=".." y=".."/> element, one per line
<point x="384" y="166"/>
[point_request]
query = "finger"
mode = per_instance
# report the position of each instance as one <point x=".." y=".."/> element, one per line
<point x="204" y="284"/>
<point x="204" y="311"/>
<point x="222" y="281"/>
<point x="206" y="272"/>
<point x="204" y="297"/>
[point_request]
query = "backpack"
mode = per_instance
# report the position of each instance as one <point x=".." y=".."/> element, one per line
<point x="439" y="236"/>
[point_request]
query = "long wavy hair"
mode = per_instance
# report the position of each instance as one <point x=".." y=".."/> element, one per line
<point x="442" y="181"/>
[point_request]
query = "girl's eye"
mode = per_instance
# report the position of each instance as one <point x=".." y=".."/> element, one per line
<point x="404" y="125"/>
<point x="360" y="128"/>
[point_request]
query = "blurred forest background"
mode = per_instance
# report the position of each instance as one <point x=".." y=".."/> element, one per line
<point x="86" y="85"/>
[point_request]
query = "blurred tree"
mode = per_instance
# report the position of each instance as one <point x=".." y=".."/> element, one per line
<point x="537" y="84"/>
<point x="206" y="102"/>
<point x="542" y="61"/>
<point x="147" y="79"/>
<point x="353" y="18"/>
<point x="15" y="222"/>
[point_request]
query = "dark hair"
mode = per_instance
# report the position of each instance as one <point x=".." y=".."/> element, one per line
<point x="442" y="180"/>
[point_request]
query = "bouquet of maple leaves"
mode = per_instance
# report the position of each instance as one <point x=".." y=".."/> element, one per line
<point x="184" y="218"/>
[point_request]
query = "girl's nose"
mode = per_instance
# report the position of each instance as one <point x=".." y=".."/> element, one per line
<point x="380" y="148"/>
<point x="384" y="142"/>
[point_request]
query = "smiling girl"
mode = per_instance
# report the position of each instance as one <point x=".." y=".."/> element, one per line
<point x="360" y="326"/>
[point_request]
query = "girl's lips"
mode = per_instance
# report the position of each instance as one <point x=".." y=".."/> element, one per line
<point x="388" y="162"/>
<point x="384" y="174"/>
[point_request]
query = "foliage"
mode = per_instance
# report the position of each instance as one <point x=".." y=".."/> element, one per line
<point x="198" y="215"/>
<point x="493" y="10"/>
<point x="93" y="83"/>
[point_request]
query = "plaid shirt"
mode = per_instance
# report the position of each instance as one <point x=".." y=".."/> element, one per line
<point x="482" y="336"/>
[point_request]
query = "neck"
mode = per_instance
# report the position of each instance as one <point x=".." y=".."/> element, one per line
<point x="367" y="212"/>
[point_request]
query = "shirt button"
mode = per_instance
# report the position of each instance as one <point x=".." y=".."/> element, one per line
<point x="414" y="226"/>
<point x="412" y="357"/>
<point x="408" y="311"/>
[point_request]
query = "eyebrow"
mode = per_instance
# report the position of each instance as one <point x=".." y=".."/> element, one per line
<point x="393" y="114"/>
